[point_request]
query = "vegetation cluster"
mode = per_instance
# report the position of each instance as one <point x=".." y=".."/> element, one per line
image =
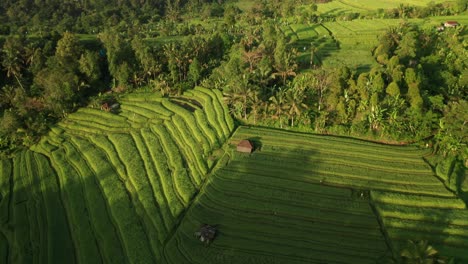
<point x="114" y="113"/>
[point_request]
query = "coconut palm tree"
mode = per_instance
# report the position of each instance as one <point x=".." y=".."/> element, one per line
<point x="277" y="105"/>
<point x="240" y="95"/>
<point x="294" y="103"/>
<point x="255" y="105"/>
<point x="12" y="61"/>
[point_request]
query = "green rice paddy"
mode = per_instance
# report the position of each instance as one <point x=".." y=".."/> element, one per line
<point x="133" y="187"/>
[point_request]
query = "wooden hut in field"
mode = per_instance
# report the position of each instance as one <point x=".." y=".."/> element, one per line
<point x="451" y="24"/>
<point x="245" y="146"/>
<point x="206" y="234"/>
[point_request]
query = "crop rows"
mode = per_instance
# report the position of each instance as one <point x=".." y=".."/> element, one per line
<point x="282" y="203"/>
<point x="441" y="221"/>
<point x="338" y="161"/>
<point x="104" y="187"/>
<point x="277" y="220"/>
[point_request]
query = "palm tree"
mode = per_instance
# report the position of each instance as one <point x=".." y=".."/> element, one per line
<point x="240" y="95"/>
<point x="12" y="64"/>
<point x="313" y="50"/>
<point x="277" y="105"/>
<point x="255" y="105"/>
<point x="420" y="252"/>
<point x="294" y="103"/>
<point x="320" y="83"/>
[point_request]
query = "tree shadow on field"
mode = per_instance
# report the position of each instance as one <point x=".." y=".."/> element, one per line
<point x="279" y="205"/>
<point x="27" y="230"/>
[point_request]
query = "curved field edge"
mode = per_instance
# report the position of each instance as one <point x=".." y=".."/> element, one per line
<point x="119" y="181"/>
<point x="328" y="187"/>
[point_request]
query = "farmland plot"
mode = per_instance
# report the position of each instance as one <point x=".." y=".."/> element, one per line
<point x="267" y="214"/>
<point x="109" y="188"/>
<point x="302" y="198"/>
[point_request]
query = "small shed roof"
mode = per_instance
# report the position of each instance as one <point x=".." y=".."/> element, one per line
<point x="451" y="23"/>
<point x="245" y="144"/>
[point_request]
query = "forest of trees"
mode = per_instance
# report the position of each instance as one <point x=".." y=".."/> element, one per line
<point x="71" y="53"/>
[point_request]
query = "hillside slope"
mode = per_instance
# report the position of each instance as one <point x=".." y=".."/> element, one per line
<point x="110" y="188"/>
<point x="303" y="198"/>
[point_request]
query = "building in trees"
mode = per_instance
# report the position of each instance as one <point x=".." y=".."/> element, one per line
<point x="451" y="24"/>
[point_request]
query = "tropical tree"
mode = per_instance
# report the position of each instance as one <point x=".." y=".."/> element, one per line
<point x="240" y="95"/>
<point x="320" y="83"/>
<point x="294" y="103"/>
<point x="256" y="104"/>
<point x="283" y="61"/>
<point x="11" y="59"/>
<point x="452" y="136"/>
<point x="420" y="252"/>
<point x="277" y="105"/>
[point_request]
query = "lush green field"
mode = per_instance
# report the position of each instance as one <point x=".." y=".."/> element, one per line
<point x="346" y="6"/>
<point x="120" y="188"/>
<point x="305" y="199"/>
<point x="105" y="187"/>
<point x="349" y="43"/>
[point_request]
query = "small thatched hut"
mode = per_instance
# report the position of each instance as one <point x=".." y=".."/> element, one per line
<point x="206" y="234"/>
<point x="245" y="146"/>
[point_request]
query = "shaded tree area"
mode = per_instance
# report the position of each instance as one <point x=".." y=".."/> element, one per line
<point x="418" y="81"/>
<point x="408" y="96"/>
<point x="43" y="81"/>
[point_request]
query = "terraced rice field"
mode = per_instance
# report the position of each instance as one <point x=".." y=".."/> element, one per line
<point x="110" y="188"/>
<point x="319" y="199"/>
<point x="361" y="6"/>
<point x="133" y="187"/>
<point x="357" y="38"/>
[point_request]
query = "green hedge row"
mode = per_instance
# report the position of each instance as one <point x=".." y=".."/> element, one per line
<point x="343" y="158"/>
<point x="189" y="120"/>
<point x="210" y="113"/>
<point x="218" y="108"/>
<point x="23" y="236"/>
<point x="143" y="97"/>
<point x="417" y="201"/>
<point x="134" y="119"/>
<point x="227" y="116"/>
<point x="90" y="128"/>
<point x="348" y="144"/>
<point x="144" y="198"/>
<point x="157" y="183"/>
<point x="101" y="120"/>
<point x="442" y="216"/>
<point x="329" y="178"/>
<point x="86" y="249"/>
<point x="201" y="117"/>
<point x="175" y="201"/>
<point x="5" y="174"/>
<point x="187" y="152"/>
<point x="429" y="227"/>
<point x="191" y="144"/>
<point x="139" y="110"/>
<point x="202" y="122"/>
<point x="59" y="242"/>
<point x="98" y="114"/>
<point x="175" y="160"/>
<point x="129" y="225"/>
<point x="156" y="107"/>
<point x="36" y="208"/>
<point x="289" y="168"/>
<point x="109" y="149"/>
<point x="97" y="208"/>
